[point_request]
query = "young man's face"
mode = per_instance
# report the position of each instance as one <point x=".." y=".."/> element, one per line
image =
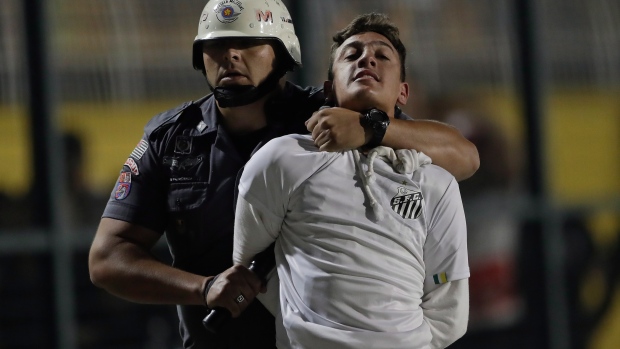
<point x="238" y="61"/>
<point x="367" y="74"/>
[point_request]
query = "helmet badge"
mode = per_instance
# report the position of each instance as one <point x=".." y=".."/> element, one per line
<point x="228" y="11"/>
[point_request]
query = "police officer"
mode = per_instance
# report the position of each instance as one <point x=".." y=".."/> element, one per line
<point x="181" y="178"/>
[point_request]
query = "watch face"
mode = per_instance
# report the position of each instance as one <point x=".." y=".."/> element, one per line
<point x="378" y="115"/>
<point x="377" y="121"/>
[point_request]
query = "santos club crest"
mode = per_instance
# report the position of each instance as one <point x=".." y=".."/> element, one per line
<point x="407" y="203"/>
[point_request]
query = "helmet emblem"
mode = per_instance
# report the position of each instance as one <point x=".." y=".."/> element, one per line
<point x="228" y="11"/>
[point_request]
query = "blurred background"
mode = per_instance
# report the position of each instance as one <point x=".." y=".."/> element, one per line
<point x="534" y="84"/>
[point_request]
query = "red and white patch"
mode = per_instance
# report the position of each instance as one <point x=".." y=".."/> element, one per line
<point x="122" y="191"/>
<point x="131" y="163"/>
<point x="125" y="177"/>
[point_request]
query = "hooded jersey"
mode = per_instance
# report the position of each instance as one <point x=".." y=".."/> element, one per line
<point x="352" y="276"/>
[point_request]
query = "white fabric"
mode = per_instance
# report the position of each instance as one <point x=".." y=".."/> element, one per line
<point x="348" y="280"/>
<point x="403" y="161"/>
<point x="446" y="311"/>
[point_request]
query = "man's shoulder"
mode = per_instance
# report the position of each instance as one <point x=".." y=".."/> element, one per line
<point x="288" y="160"/>
<point x="289" y="145"/>
<point x="294" y="138"/>
<point x="435" y="173"/>
<point x="289" y="152"/>
<point x="434" y="178"/>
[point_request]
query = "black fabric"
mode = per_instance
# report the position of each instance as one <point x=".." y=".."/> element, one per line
<point x="245" y="144"/>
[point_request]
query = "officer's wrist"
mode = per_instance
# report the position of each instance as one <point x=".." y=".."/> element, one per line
<point x="207" y="287"/>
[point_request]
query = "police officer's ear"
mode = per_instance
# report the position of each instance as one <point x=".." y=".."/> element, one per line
<point x="328" y="90"/>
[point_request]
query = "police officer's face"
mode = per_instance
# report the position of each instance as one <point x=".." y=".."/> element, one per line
<point x="238" y="61"/>
<point x="367" y="74"/>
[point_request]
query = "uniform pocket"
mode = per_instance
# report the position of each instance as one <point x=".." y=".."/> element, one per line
<point x="186" y="196"/>
<point x="185" y="228"/>
<point x="198" y="234"/>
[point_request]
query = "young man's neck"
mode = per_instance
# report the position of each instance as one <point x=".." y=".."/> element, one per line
<point x="389" y="111"/>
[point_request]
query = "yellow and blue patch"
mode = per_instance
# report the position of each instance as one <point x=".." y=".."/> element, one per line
<point x="440" y="278"/>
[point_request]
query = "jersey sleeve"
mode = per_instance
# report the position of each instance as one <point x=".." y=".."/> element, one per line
<point x="138" y="197"/>
<point x="446" y="311"/>
<point x="255" y="230"/>
<point x="445" y="249"/>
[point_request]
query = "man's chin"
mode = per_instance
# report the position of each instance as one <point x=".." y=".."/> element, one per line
<point x="363" y="100"/>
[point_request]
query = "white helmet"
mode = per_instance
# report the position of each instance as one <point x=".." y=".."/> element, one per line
<point x="265" y="19"/>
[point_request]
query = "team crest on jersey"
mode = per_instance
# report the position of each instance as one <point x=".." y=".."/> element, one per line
<point x="228" y="11"/>
<point x="407" y="203"/>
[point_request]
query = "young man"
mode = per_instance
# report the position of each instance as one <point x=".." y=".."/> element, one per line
<point x="182" y="176"/>
<point x="371" y="250"/>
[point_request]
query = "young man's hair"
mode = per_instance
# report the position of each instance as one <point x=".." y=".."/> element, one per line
<point x="371" y="22"/>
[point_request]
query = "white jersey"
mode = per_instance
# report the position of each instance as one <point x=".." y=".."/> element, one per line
<point x="348" y="279"/>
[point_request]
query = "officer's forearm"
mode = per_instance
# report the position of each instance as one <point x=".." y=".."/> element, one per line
<point x="143" y="279"/>
<point x="128" y="270"/>
<point x="443" y="143"/>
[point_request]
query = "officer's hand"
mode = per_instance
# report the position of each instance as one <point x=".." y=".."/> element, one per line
<point x="336" y="129"/>
<point x="234" y="282"/>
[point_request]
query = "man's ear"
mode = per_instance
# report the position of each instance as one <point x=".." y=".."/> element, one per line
<point x="403" y="96"/>
<point x="328" y="90"/>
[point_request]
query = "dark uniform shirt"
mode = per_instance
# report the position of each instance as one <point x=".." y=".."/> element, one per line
<point x="182" y="179"/>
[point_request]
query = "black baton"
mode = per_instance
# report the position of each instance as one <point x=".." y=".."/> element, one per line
<point x="262" y="264"/>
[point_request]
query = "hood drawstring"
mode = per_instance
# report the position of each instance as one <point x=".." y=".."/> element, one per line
<point x="402" y="161"/>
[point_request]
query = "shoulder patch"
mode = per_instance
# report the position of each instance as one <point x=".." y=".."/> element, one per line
<point x="123" y="186"/>
<point x="122" y="191"/>
<point x="131" y="163"/>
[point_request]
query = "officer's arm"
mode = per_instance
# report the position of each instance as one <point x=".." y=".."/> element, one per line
<point x="442" y="142"/>
<point x="120" y="261"/>
<point x="337" y="129"/>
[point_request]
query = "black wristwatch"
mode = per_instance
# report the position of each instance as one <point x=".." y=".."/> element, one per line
<point x="377" y="121"/>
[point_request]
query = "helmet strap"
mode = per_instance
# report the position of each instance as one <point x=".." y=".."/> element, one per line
<point x="240" y="95"/>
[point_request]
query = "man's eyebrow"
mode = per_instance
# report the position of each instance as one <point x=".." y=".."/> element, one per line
<point x="358" y="45"/>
